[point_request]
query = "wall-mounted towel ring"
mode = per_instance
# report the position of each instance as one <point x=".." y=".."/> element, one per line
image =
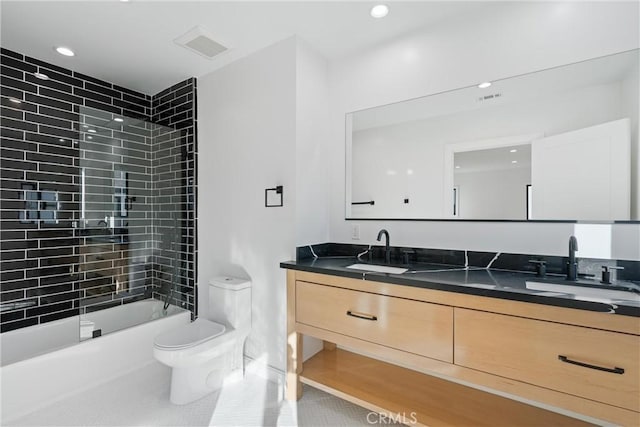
<point x="278" y="191"/>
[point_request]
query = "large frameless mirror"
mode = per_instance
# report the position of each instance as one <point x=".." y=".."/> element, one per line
<point x="559" y="144"/>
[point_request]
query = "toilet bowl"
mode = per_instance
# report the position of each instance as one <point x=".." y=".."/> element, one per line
<point x="205" y="352"/>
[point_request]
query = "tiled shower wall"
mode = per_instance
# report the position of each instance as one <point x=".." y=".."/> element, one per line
<point x="174" y="189"/>
<point x="47" y="272"/>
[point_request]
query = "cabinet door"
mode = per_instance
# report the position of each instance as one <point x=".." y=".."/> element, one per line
<point x="590" y="363"/>
<point x="413" y="326"/>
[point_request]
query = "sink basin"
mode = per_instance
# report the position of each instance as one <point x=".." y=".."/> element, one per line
<point x="378" y="268"/>
<point x="584" y="292"/>
<point x="480" y="285"/>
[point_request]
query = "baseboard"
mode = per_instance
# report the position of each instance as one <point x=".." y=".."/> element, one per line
<point x="262" y="369"/>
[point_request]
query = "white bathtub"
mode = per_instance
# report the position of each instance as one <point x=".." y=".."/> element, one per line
<point x="45" y="363"/>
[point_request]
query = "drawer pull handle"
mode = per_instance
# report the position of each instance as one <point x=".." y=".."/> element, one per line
<point x="362" y="315"/>
<point x="615" y="370"/>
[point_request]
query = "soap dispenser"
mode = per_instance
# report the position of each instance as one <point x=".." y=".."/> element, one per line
<point x="606" y="273"/>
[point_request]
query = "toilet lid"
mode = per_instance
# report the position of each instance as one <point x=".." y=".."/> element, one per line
<point x="189" y="335"/>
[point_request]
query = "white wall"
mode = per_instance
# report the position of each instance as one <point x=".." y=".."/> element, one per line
<point x="508" y="39"/>
<point x="261" y="122"/>
<point x="246" y="143"/>
<point x="491" y="194"/>
<point x="395" y="162"/>
<point x="312" y="110"/>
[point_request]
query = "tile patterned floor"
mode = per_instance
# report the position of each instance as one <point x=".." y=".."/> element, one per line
<point x="142" y="399"/>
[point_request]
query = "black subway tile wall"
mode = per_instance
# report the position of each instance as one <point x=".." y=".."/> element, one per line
<point x="174" y="188"/>
<point x="89" y="201"/>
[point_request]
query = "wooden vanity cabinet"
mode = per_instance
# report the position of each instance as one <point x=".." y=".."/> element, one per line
<point x="399" y="343"/>
<point x="591" y="363"/>
<point x="413" y="326"/>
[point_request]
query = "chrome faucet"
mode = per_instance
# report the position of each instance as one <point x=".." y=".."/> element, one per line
<point x="572" y="264"/>
<point x="387" y="250"/>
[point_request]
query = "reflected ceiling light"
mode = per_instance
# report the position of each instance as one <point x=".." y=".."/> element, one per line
<point x="409" y="171"/>
<point x="391" y="172"/>
<point x="92" y="130"/>
<point x="514" y="161"/>
<point x="457" y="167"/>
<point x="118" y="119"/>
<point x="15" y="100"/>
<point x="41" y="76"/>
<point x="89" y="137"/>
<point x="513" y="151"/>
<point x="65" y="51"/>
<point x="484" y="85"/>
<point x="379" y="11"/>
<point x="61" y="140"/>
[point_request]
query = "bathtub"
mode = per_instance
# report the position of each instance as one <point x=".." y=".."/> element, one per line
<point x="48" y="362"/>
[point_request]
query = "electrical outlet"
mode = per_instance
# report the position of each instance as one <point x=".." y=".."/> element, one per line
<point x="355" y="232"/>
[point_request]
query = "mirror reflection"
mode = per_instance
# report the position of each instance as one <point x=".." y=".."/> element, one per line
<point x="559" y="144"/>
<point x="492" y="183"/>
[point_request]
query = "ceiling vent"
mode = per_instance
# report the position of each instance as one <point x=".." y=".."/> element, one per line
<point x="199" y="40"/>
<point x="489" y="97"/>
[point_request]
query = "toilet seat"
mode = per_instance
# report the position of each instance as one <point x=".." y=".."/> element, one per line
<point x="197" y="332"/>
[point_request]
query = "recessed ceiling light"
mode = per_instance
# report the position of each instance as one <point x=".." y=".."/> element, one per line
<point x="391" y="172"/>
<point x="379" y="11"/>
<point x="65" y="51"/>
<point x="41" y="76"/>
<point x="15" y="100"/>
<point x="457" y="167"/>
<point x="92" y="130"/>
<point x="513" y="151"/>
<point x="514" y="161"/>
<point x="409" y="171"/>
<point x="484" y="85"/>
<point x="118" y="119"/>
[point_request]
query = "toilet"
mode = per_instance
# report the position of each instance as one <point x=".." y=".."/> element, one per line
<point x="203" y="353"/>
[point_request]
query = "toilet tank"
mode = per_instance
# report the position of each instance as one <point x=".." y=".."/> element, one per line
<point x="230" y="301"/>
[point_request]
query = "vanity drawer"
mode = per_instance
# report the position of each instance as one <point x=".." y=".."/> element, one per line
<point x="413" y="326"/>
<point x="541" y="353"/>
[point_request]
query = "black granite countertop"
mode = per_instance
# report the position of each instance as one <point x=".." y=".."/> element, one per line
<point x="621" y="298"/>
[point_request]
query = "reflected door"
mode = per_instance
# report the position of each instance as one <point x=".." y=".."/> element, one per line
<point x="583" y="174"/>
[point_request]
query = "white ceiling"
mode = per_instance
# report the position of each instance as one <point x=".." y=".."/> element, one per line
<point x="545" y="84"/>
<point x="493" y="159"/>
<point x="131" y="44"/>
